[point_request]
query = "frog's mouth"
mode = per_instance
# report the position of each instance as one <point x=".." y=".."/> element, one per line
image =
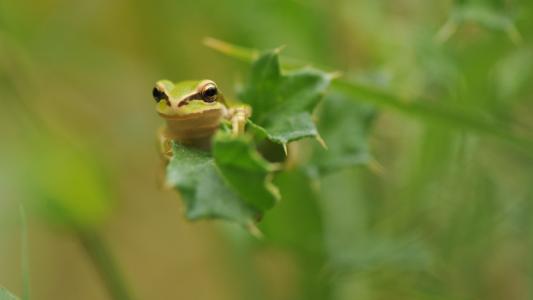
<point x="188" y="109"/>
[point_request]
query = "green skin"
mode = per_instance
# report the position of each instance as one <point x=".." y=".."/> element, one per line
<point x="192" y="117"/>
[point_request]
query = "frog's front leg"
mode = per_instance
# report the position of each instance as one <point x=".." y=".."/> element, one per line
<point x="237" y="117"/>
<point x="164" y="145"/>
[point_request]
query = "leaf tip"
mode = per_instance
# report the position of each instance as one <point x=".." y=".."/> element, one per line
<point x="445" y="32"/>
<point x="514" y="35"/>
<point x="254" y="230"/>
<point x="321" y="141"/>
<point x="211" y="42"/>
<point x="376" y="167"/>
<point x="276" y="167"/>
<point x="279" y="49"/>
<point x="334" y="75"/>
<point x="272" y="188"/>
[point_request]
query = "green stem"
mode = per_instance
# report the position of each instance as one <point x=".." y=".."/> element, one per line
<point x="25" y="254"/>
<point x="104" y="261"/>
<point x="426" y="111"/>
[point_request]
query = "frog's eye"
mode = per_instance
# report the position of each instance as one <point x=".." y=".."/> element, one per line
<point x="210" y="92"/>
<point x="159" y="95"/>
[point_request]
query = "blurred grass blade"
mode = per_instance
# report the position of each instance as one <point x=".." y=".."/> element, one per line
<point x="490" y="19"/>
<point x="6" y="295"/>
<point x="446" y="31"/>
<point x="241" y="53"/>
<point x="249" y="55"/>
<point x="419" y="108"/>
<point x="24" y="255"/>
<point x="105" y="263"/>
<point x="483" y="16"/>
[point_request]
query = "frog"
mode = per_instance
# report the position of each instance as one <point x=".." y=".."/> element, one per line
<point x="193" y="110"/>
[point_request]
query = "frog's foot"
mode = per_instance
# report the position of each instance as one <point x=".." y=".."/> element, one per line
<point x="238" y="117"/>
<point x="237" y="123"/>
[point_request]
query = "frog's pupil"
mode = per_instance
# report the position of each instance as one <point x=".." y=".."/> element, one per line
<point x="210" y="92"/>
<point x="158" y="95"/>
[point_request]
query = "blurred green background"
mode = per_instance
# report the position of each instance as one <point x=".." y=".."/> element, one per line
<point x="438" y="213"/>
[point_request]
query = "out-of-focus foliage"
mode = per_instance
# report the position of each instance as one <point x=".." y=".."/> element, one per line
<point x="6" y="295"/>
<point x="429" y="209"/>
<point x="66" y="185"/>
<point x="345" y="127"/>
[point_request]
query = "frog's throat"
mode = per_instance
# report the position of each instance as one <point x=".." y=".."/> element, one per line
<point x="194" y="129"/>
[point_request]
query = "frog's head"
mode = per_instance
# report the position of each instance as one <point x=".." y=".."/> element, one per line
<point x="192" y="110"/>
<point x="186" y="98"/>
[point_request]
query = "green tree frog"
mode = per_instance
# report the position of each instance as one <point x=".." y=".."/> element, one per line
<point x="193" y="111"/>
